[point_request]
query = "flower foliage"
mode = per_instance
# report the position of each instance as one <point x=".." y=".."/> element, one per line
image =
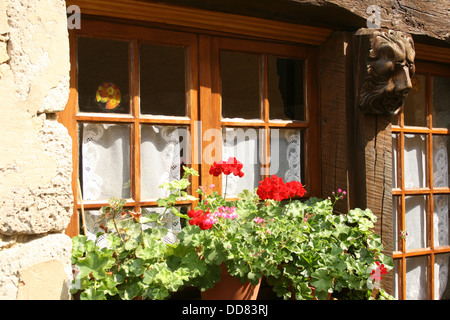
<point x="303" y="248"/>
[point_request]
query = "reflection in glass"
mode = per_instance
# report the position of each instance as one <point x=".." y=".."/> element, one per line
<point x="415" y="161"/>
<point x="240" y="79"/>
<point x="416" y="104"/>
<point x="242" y="143"/>
<point x="415" y="222"/>
<point x="396" y="209"/>
<point x="441" y="102"/>
<point x="103" y="76"/>
<point x="105" y="160"/>
<point x="286" y="154"/>
<point x="395" y="169"/>
<point x="164" y="149"/>
<point x="285" y="86"/>
<point x="162" y="80"/>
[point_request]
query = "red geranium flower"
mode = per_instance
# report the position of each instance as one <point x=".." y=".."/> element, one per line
<point x="232" y="165"/>
<point x="201" y="219"/>
<point x="295" y="189"/>
<point x="378" y="271"/>
<point x="274" y="188"/>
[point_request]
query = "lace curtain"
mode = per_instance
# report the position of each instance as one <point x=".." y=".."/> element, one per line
<point x="105" y="168"/>
<point x="415" y="214"/>
<point x="246" y="146"/>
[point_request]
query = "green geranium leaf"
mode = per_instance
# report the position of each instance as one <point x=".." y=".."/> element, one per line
<point x="321" y="280"/>
<point x="95" y="263"/>
<point x="92" y="294"/>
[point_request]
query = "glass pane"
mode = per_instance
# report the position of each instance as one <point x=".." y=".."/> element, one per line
<point x="416" y="278"/>
<point x="286" y="154"/>
<point x="164" y="149"/>
<point x="441" y="276"/>
<point x="396" y="284"/>
<point x="105" y="160"/>
<point x="415" y="222"/>
<point x="242" y="143"/>
<point x="396" y="209"/>
<point x="103" y="76"/>
<point x="240" y="80"/>
<point x="285" y="84"/>
<point x="415" y="161"/>
<point x="441" y="154"/>
<point x="395" y="170"/>
<point x="415" y="103"/>
<point x="440" y="219"/>
<point x="162" y="80"/>
<point x="441" y="102"/>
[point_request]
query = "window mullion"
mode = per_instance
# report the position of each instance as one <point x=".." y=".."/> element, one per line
<point x="135" y="136"/>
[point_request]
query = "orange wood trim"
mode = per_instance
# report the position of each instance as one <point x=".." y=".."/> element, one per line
<point x="432" y="53"/>
<point x="202" y="19"/>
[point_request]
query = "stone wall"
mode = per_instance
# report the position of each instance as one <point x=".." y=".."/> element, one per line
<point x="36" y="152"/>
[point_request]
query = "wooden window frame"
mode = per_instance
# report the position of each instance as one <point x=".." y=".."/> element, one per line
<point x="312" y="136"/>
<point x="428" y="69"/>
<point x="203" y="100"/>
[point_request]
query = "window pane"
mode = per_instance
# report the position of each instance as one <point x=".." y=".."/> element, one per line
<point x="441" y="276"/>
<point x="441" y="102"/>
<point x="415" y="222"/>
<point x="103" y="76"/>
<point x="244" y="144"/>
<point x="240" y="79"/>
<point x="415" y="161"/>
<point x="395" y="167"/>
<point x="440" y="219"/>
<point x="396" y="284"/>
<point x="396" y="210"/>
<point x="415" y="103"/>
<point x="286" y="154"/>
<point x="285" y="85"/>
<point x="441" y="154"/>
<point x="105" y="160"/>
<point x="162" y="80"/>
<point x="416" y="278"/>
<point x="163" y="150"/>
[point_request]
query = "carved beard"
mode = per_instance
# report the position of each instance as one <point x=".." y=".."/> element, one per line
<point x="376" y="99"/>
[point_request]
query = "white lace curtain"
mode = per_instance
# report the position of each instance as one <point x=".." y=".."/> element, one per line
<point x="246" y="146"/>
<point x="415" y="214"/>
<point x="105" y="167"/>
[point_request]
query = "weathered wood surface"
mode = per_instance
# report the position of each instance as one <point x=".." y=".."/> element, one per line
<point x="430" y="19"/>
<point x="336" y="116"/>
<point x="373" y="158"/>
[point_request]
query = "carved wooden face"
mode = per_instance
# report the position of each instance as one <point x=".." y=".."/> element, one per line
<point x="390" y="69"/>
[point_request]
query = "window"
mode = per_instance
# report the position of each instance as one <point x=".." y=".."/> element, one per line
<point x="421" y="187"/>
<point x="144" y="102"/>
